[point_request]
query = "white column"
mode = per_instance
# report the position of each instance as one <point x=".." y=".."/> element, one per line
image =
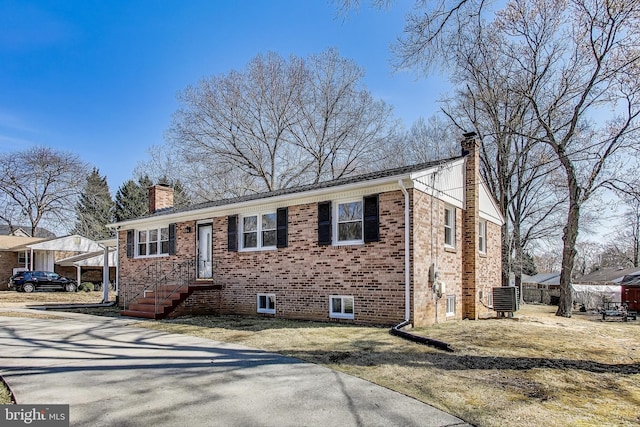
<point x="105" y="275"/>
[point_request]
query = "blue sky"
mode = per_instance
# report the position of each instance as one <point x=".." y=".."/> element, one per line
<point x="100" y="78"/>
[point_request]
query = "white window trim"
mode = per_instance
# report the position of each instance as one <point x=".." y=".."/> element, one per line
<point x="259" y="246"/>
<point x="334" y="213"/>
<point x="159" y="242"/>
<point x="482" y="236"/>
<point x="452" y="217"/>
<point x="266" y="310"/>
<point x="450" y="313"/>
<point x="341" y="315"/>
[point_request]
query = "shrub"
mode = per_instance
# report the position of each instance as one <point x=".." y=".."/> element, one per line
<point x="86" y="286"/>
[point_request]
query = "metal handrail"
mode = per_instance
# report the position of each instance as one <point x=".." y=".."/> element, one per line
<point x="177" y="272"/>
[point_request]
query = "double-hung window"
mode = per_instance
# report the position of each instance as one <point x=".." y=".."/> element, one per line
<point x="341" y="307"/>
<point x="449" y="226"/>
<point x="153" y="242"/>
<point x="482" y="236"/>
<point x="349" y="222"/>
<point x="259" y="231"/>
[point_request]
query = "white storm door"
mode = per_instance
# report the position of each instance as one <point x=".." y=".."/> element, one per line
<point x="205" y="270"/>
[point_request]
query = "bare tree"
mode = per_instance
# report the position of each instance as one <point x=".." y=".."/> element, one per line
<point x="577" y="64"/>
<point x="40" y="185"/>
<point x="281" y="122"/>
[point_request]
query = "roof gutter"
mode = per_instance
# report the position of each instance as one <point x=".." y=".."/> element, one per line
<point x="407" y="247"/>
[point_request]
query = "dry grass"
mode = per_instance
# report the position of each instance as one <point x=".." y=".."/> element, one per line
<point x="534" y="370"/>
<point x="22" y="299"/>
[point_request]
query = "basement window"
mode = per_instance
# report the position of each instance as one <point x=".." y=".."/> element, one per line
<point x="267" y="303"/>
<point x="451" y="305"/>
<point x="341" y="307"/>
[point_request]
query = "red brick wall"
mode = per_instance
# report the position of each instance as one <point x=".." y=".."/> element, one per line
<point x="428" y="233"/>
<point x="8" y="261"/>
<point x="489" y="267"/>
<point x="304" y="275"/>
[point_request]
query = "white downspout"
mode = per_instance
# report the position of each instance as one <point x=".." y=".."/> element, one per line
<point x="407" y="263"/>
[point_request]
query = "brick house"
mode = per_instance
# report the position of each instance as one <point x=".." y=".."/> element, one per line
<point x="418" y="243"/>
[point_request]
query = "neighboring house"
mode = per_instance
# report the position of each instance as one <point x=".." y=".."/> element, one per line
<point x="601" y="287"/>
<point x="630" y="291"/>
<point x="541" y="288"/>
<point x="23" y="231"/>
<point x="67" y="255"/>
<point x="418" y="243"/>
<point x="14" y="256"/>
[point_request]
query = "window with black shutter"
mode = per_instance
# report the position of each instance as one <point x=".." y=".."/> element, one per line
<point x="324" y="223"/>
<point x="371" y="219"/>
<point x="283" y="224"/>
<point x="172" y="239"/>
<point x="130" y="244"/>
<point x="232" y="233"/>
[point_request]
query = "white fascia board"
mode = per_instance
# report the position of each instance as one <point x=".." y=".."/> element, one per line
<point x="74" y="243"/>
<point x="389" y="183"/>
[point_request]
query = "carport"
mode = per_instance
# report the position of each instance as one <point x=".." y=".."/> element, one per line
<point x="77" y="251"/>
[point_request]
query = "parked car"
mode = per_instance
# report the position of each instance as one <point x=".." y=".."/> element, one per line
<point x="29" y="281"/>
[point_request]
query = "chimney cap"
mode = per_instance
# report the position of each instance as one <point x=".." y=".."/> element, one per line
<point x="469" y="135"/>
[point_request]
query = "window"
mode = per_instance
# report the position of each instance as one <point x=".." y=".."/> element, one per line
<point x="482" y="236"/>
<point x="451" y="305"/>
<point x="340" y="307"/>
<point x="349" y="222"/>
<point x="153" y="242"/>
<point x="259" y="231"/>
<point x="490" y="299"/>
<point x="267" y="303"/>
<point x="24" y="257"/>
<point x="449" y="226"/>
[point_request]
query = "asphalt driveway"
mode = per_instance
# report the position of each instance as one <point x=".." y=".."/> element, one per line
<point x="114" y="374"/>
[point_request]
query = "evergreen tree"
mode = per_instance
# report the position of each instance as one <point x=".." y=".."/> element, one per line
<point x="529" y="265"/>
<point x="94" y="210"/>
<point x="132" y="199"/>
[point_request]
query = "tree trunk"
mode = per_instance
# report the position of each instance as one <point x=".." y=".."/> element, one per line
<point x="506" y="255"/>
<point x="570" y="235"/>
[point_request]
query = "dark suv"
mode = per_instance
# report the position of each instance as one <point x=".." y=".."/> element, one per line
<point x="29" y="281"/>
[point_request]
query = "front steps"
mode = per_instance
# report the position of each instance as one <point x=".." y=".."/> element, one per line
<point x="169" y="297"/>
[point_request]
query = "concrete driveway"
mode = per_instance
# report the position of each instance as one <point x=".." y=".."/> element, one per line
<point x="114" y="374"/>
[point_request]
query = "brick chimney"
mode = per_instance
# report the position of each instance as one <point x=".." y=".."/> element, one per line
<point x="470" y="224"/>
<point x="160" y="197"/>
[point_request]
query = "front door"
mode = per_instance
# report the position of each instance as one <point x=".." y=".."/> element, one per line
<point x="205" y="270"/>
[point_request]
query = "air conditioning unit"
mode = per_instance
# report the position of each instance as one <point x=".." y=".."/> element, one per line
<point x="506" y="299"/>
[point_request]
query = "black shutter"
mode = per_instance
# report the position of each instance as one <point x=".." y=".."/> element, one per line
<point x="371" y="219"/>
<point x="130" y="244"/>
<point x="232" y="233"/>
<point x="172" y="239"/>
<point x="324" y="223"/>
<point x="282" y="231"/>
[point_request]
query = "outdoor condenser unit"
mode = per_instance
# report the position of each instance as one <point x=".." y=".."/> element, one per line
<point x="506" y="299"/>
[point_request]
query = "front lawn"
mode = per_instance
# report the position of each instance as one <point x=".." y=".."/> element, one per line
<point x="534" y="370"/>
